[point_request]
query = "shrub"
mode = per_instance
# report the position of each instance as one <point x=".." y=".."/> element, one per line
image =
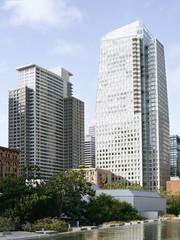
<point x="167" y="215"/>
<point x="47" y="224"/>
<point x="104" y="208"/>
<point x="6" y="224"/>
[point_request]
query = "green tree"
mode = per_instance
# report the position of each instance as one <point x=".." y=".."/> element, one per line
<point x="21" y="198"/>
<point x="31" y="172"/>
<point x="67" y="191"/>
<point x="104" y="208"/>
<point x="173" y="201"/>
<point x="173" y="204"/>
<point x="162" y="193"/>
<point x="113" y="185"/>
<point x="120" y="185"/>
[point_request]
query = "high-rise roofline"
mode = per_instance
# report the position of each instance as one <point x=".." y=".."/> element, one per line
<point x="128" y="30"/>
<point x="57" y="70"/>
<point x="27" y="66"/>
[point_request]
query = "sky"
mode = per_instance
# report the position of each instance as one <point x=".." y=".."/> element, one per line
<point x="67" y="33"/>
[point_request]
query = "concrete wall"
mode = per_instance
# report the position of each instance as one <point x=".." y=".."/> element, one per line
<point x="143" y="204"/>
<point x="150" y="215"/>
<point x="126" y="199"/>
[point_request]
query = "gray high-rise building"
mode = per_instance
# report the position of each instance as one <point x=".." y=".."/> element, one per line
<point x="73" y="133"/>
<point x="89" y="151"/>
<point x="36" y="117"/>
<point x="132" y="119"/>
<point x="174" y="156"/>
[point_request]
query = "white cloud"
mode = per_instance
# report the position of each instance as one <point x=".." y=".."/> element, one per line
<point x="42" y="13"/>
<point x="63" y="47"/>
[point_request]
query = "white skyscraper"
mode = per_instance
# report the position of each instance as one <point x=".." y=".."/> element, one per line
<point x="132" y="121"/>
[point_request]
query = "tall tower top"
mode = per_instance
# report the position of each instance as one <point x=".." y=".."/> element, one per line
<point x="135" y="28"/>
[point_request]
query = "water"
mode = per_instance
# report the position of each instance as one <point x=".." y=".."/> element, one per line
<point x="149" y="231"/>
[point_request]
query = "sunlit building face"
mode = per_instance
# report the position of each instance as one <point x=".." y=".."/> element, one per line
<point x="132" y="121"/>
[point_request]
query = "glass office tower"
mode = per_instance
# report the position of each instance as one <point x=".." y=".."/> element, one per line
<point x="174" y="156"/>
<point x="132" y="121"/>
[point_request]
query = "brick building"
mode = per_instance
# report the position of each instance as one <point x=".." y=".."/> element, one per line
<point x="173" y="186"/>
<point x="9" y="162"/>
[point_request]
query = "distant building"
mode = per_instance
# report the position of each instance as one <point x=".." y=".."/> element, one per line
<point x="9" y="162"/>
<point x="148" y="204"/>
<point x="92" y="129"/>
<point x="89" y="151"/>
<point x="97" y="176"/>
<point x="173" y="186"/>
<point x="37" y="118"/>
<point x="73" y="133"/>
<point x="174" y="156"/>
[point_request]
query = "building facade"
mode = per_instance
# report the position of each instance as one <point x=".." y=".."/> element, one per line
<point x="132" y="120"/>
<point x="173" y="186"/>
<point x="148" y="204"/>
<point x="97" y="176"/>
<point x="36" y="117"/>
<point x="73" y="133"/>
<point x="174" y="156"/>
<point x="9" y="162"/>
<point x="92" y="128"/>
<point x="89" y="151"/>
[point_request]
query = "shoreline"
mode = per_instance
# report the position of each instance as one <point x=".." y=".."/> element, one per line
<point x="22" y="235"/>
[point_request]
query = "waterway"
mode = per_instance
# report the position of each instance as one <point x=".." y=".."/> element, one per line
<point x="149" y="231"/>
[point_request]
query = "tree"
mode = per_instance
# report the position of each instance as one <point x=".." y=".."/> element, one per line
<point x="120" y="185"/>
<point x="162" y="192"/>
<point x="67" y="191"/>
<point x="31" y="172"/>
<point x="20" y="199"/>
<point x="173" y="204"/>
<point x="61" y="195"/>
<point x="8" y="183"/>
<point x="113" y="185"/>
<point x="173" y="201"/>
<point x="104" y="208"/>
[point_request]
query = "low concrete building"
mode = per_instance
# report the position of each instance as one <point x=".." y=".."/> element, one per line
<point x="148" y="204"/>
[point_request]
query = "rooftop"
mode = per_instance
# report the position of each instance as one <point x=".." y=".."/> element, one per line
<point x="128" y="192"/>
<point x="53" y="70"/>
<point x="132" y="29"/>
<point x="10" y="149"/>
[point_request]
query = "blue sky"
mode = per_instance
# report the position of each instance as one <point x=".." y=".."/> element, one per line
<point x="67" y="33"/>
